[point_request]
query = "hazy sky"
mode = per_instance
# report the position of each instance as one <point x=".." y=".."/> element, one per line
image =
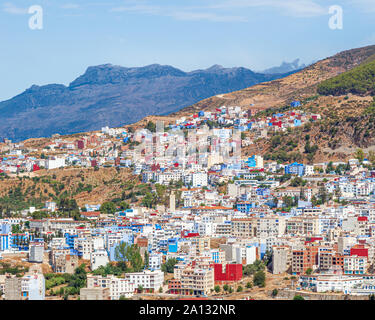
<point x="188" y="34"/>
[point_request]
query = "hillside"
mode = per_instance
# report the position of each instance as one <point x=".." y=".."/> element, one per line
<point x="83" y="185"/>
<point x="109" y="95"/>
<point x="360" y="81"/>
<point x="347" y="119"/>
<point x="280" y="92"/>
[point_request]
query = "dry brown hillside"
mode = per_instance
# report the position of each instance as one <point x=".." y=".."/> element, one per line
<point x="277" y="93"/>
<point x="84" y="185"/>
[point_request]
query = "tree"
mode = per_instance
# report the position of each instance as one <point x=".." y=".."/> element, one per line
<point x="151" y="126"/>
<point x="225" y="287"/>
<point x="309" y="271"/>
<point x="76" y="281"/>
<point x="359" y="155"/>
<point x="168" y="266"/>
<point x="239" y="289"/>
<point x="16" y="228"/>
<point x="371" y="157"/>
<point x="146" y="259"/>
<point x="149" y="200"/>
<point x="124" y="205"/>
<point x="230" y="290"/>
<point x="140" y="288"/>
<point x="250" y="269"/>
<point x="259" y="279"/>
<point x="69" y="207"/>
<point x="288" y="201"/>
<point x="129" y="254"/>
<point x="249" y="285"/>
<point x="298" y="297"/>
<point x="323" y="195"/>
<point x="160" y="290"/>
<point x="108" y="207"/>
<point x="217" y="289"/>
<point x="274" y="292"/>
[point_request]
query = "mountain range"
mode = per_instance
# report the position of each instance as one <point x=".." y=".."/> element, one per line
<point x="109" y="95"/>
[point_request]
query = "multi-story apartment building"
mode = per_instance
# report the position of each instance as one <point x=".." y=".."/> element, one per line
<point x="149" y="280"/>
<point x="304" y="259"/>
<point x="355" y="265"/>
<point x="281" y="259"/>
<point x="197" y="281"/>
<point x="244" y="228"/>
<point x="117" y="286"/>
<point x="303" y="225"/>
<point x="199" y="245"/>
<point x="36" y="252"/>
<point x="272" y="226"/>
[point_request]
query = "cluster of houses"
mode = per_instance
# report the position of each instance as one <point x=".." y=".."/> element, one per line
<point x="329" y="247"/>
<point x="225" y="212"/>
<point x="211" y="138"/>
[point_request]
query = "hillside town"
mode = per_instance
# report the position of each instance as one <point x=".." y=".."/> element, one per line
<point x="232" y="224"/>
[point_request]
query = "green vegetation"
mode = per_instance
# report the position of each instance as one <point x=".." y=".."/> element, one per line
<point x="298" y="297"/>
<point x="108" y="207"/>
<point x="129" y="257"/>
<point x="54" y="280"/>
<point x="251" y="269"/>
<point x="69" y="207"/>
<point x="259" y="279"/>
<point x="16" y="200"/>
<point x="360" y="80"/>
<point x="298" y="182"/>
<point x="151" y="126"/>
<point x="74" y="282"/>
<point x="168" y="266"/>
<point x="359" y="155"/>
<point x="115" y="269"/>
<point x="17" y="270"/>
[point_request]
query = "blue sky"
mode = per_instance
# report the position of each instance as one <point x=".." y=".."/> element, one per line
<point x="188" y="34"/>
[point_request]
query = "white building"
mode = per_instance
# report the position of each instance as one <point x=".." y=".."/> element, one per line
<point x="147" y="279"/>
<point x="309" y="170"/>
<point x="36" y="252"/>
<point x="98" y="258"/>
<point x="155" y="261"/>
<point x="199" y="179"/>
<point x="33" y="286"/>
<point x="245" y="255"/>
<point x="55" y="163"/>
<point x="117" y="286"/>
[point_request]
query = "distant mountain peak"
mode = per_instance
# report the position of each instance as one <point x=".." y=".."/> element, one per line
<point x="285" y="67"/>
<point x="216" y="67"/>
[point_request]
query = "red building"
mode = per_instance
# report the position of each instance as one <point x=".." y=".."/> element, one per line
<point x="81" y="144"/>
<point x="174" y="286"/>
<point x="231" y="272"/>
<point x="359" y="250"/>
